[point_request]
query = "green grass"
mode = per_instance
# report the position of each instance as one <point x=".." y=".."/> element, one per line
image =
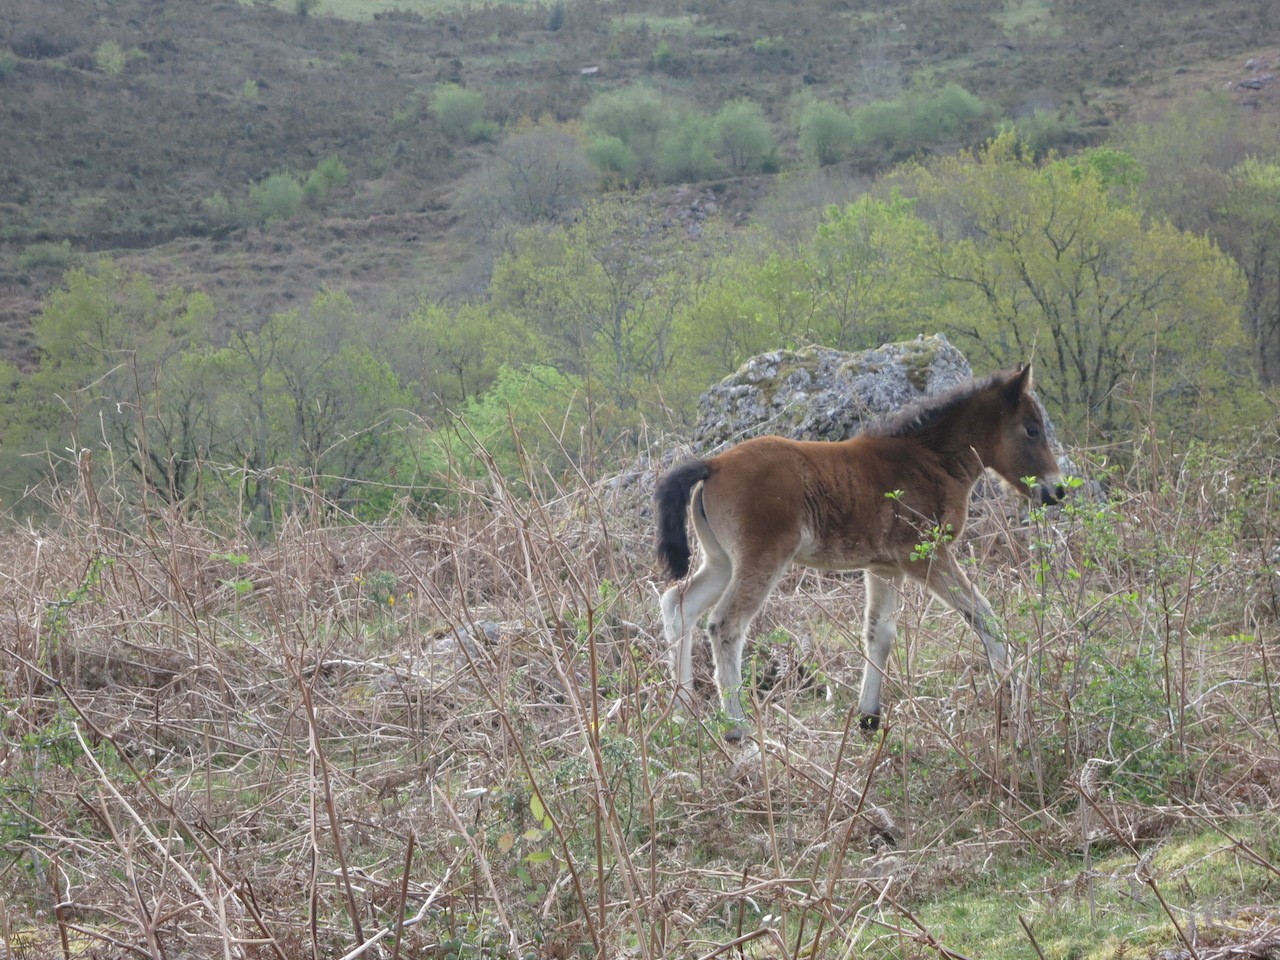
<point x="979" y="916"/>
<point x="1030" y="16"/>
<point x="367" y="9"/>
<point x="688" y="25"/>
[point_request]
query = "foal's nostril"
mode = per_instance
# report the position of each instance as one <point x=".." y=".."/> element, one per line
<point x="1052" y="494"/>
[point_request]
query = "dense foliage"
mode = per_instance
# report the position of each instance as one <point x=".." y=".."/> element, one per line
<point x="591" y="329"/>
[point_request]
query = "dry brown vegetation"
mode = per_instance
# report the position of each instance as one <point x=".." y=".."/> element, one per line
<point x="451" y="739"/>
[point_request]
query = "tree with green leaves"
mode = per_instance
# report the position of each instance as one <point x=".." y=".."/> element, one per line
<point x="460" y="112"/>
<point x="112" y="373"/>
<point x="1209" y="168"/>
<point x="626" y="127"/>
<point x="1253" y="207"/>
<point x="866" y="273"/>
<point x="758" y="299"/>
<point x="1045" y="264"/>
<point x="449" y="355"/>
<point x="603" y="297"/>
<point x="744" y="138"/>
<point x="315" y="406"/>
<point x="827" y="133"/>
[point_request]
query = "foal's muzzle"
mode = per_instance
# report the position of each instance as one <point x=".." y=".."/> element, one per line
<point x="1051" y="491"/>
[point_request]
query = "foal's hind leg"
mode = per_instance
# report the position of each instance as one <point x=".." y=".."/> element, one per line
<point x="881" y="624"/>
<point x="742" y="600"/>
<point x="684" y="604"/>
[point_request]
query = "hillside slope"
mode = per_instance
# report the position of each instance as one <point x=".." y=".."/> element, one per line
<point x="119" y="122"/>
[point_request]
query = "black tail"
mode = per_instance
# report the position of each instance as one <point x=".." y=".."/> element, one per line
<point x="672" y="498"/>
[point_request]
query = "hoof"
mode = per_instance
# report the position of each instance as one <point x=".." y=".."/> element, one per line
<point x="869" y="723"/>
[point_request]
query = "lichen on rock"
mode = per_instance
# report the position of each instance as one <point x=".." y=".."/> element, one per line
<point x="817" y="393"/>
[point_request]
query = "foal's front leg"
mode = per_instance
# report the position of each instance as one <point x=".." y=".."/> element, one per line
<point x="946" y="580"/>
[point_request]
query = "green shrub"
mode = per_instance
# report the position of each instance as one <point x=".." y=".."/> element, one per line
<point x="686" y="151"/>
<point x="219" y="213"/>
<point x="46" y="254"/>
<point x="826" y="133"/>
<point x="613" y="157"/>
<point x="510" y="422"/>
<point x="278" y="197"/>
<point x="109" y="57"/>
<point x="661" y="56"/>
<point x="889" y="130"/>
<point x="460" y="113"/>
<point x="329" y="173"/>
<point x="743" y="137"/>
<point x="250" y="90"/>
<point x="1047" y="130"/>
<point x="948" y="114"/>
<point x="483" y="131"/>
<point x="8" y="63"/>
<point x="772" y="47"/>
<point x="636" y="117"/>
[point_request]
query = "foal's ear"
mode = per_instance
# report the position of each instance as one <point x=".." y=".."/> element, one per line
<point x="1019" y="384"/>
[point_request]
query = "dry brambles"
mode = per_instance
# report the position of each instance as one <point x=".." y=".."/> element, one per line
<point x="449" y="737"/>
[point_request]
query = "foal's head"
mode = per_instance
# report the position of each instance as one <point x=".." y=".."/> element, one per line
<point x="1021" y="442"/>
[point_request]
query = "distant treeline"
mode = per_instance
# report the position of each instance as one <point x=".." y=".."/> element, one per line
<point x="1140" y="277"/>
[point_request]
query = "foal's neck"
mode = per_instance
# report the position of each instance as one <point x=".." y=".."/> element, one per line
<point x="963" y="441"/>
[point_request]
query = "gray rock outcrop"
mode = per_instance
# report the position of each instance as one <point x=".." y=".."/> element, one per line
<point x="817" y="393"/>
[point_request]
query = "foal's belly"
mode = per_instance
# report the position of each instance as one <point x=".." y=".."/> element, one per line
<point x="829" y="553"/>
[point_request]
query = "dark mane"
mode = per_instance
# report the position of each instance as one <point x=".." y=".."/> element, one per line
<point x="923" y="415"/>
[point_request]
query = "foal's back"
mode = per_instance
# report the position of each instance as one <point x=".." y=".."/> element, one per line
<point x="844" y="505"/>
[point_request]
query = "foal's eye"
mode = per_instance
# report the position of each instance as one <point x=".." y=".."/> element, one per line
<point x="1033" y="429"/>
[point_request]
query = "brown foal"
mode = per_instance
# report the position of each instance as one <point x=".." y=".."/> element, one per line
<point x="890" y="502"/>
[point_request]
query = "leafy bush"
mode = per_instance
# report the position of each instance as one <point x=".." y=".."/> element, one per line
<point x="891" y="130"/>
<point x="1047" y="130"/>
<point x="946" y="114"/>
<point x="826" y="132"/>
<point x="109" y="57"/>
<point x="773" y="47"/>
<point x="686" y="150"/>
<point x="743" y="137"/>
<point x="614" y="157"/>
<point x="329" y="173"/>
<point x="278" y="197"/>
<point x="46" y="254"/>
<point x="219" y="213"/>
<point x="8" y="63"/>
<point x="639" y="134"/>
<point x="483" y="131"/>
<point x="511" y="422"/>
<point x="460" y="113"/>
<point x="635" y="117"/>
